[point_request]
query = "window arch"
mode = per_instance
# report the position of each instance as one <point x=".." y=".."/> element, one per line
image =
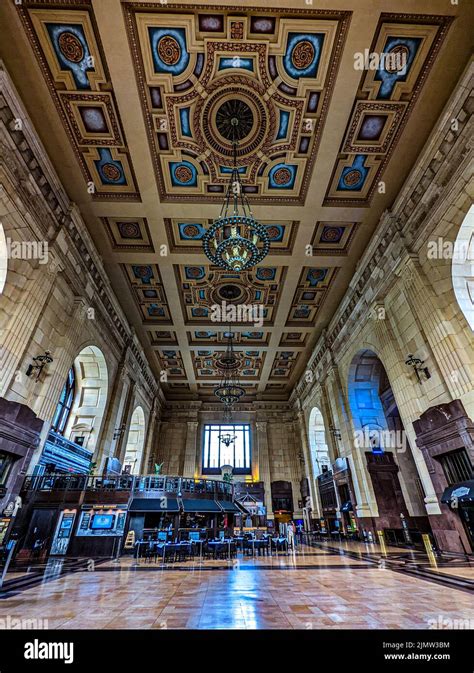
<point x="66" y="400"/>
<point x="463" y="267"/>
<point x="135" y="442"/>
<point x="3" y="258"/>
<point x="80" y="411"/>
<point x="317" y="442"/>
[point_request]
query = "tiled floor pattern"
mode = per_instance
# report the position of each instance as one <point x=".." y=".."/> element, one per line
<point x="313" y="590"/>
<point x="440" y="566"/>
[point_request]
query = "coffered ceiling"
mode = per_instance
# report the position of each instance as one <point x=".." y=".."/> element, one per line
<point x="131" y="100"/>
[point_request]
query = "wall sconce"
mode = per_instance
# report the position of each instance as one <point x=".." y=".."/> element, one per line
<point x="418" y="367"/>
<point x="335" y="432"/>
<point x="118" y="432"/>
<point x="39" y="362"/>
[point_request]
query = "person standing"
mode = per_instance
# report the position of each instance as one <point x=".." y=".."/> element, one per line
<point x="290" y="533"/>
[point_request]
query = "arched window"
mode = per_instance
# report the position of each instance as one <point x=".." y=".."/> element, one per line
<point x="3" y="259"/>
<point x="463" y="268"/>
<point x="317" y="442"/>
<point x="66" y="399"/>
<point x="135" y="442"/>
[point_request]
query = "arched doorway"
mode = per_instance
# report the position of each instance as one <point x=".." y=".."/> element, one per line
<point x="135" y="442"/>
<point x="463" y="267"/>
<point x="379" y="434"/>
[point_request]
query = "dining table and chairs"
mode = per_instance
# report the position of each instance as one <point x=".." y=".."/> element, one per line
<point x="222" y="548"/>
<point x="166" y="551"/>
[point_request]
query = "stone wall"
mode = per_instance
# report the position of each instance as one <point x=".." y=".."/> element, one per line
<point x="57" y="298"/>
<point x="275" y="441"/>
<point x="401" y="301"/>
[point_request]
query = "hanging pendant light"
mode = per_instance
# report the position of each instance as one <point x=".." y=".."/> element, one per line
<point x="229" y="391"/>
<point x="236" y="241"/>
<point x="227" y="439"/>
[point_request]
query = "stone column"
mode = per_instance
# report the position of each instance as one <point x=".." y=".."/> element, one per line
<point x="296" y="473"/>
<point x="63" y="360"/>
<point x="145" y="466"/>
<point x="190" y="467"/>
<point x="126" y="420"/>
<point x="366" y="502"/>
<point x="408" y="406"/>
<point x="301" y="426"/>
<point x="16" y="336"/>
<point x="448" y="356"/>
<point x="114" y="413"/>
<point x="264" y="465"/>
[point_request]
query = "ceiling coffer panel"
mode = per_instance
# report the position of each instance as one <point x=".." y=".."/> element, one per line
<point x="195" y="70"/>
<point x="67" y="45"/>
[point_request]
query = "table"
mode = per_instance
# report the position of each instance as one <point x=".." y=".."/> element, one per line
<point x="161" y="548"/>
<point x="260" y="545"/>
<point x="216" y="543"/>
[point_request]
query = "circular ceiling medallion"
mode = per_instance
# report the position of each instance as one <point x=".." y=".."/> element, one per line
<point x="282" y="176"/>
<point x="331" y="234"/>
<point x="169" y="50"/>
<point x="111" y="172"/>
<point x="234" y="119"/>
<point x="397" y="59"/>
<point x="191" y="231"/>
<point x="273" y="232"/>
<point x="302" y="55"/>
<point x="230" y="292"/>
<point x="71" y="47"/>
<point x="352" y="178"/>
<point x="129" y="229"/>
<point x="235" y="102"/>
<point x="228" y="361"/>
<point x="183" y="174"/>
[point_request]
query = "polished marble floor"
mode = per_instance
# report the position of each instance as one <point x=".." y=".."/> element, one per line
<point x="332" y="586"/>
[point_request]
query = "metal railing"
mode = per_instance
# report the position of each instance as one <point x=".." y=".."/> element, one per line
<point x="135" y="484"/>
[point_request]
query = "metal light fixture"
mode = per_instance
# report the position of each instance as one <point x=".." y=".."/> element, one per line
<point x="40" y="361"/>
<point x="236" y="241"/>
<point x="227" y="438"/>
<point x="229" y="391"/>
<point x="418" y="367"/>
<point x="335" y="432"/>
<point x="118" y="432"/>
<point x="227" y="414"/>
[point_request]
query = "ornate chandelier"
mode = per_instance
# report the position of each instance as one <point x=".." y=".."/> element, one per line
<point x="229" y="391"/>
<point x="236" y="241"/>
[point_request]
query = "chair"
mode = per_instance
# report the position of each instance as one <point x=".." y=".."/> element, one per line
<point x="249" y="546"/>
<point x="169" y="553"/>
<point x="207" y="550"/>
<point x="184" y="551"/>
<point x="149" y="552"/>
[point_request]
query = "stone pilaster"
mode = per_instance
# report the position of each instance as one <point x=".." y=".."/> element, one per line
<point x="366" y="503"/>
<point x="264" y="464"/>
<point x="190" y="467"/>
<point x="448" y="356"/>
<point x="126" y="420"/>
<point x="16" y="336"/>
<point x="143" y="468"/>
<point x="301" y="426"/>
<point x="408" y="407"/>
